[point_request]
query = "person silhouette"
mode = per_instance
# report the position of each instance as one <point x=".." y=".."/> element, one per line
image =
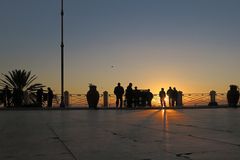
<point x="170" y="96"/>
<point x="174" y="97"/>
<point x="40" y="97"/>
<point x="136" y="96"/>
<point x="49" y="97"/>
<point x="119" y="91"/>
<point x="129" y="95"/>
<point x="162" y="96"/>
<point x="149" y="98"/>
<point x="6" y="96"/>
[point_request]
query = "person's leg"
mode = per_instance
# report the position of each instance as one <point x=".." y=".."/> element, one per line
<point x="121" y="101"/>
<point x="129" y="102"/>
<point x="150" y="103"/>
<point x="170" y="102"/>
<point x="5" y="102"/>
<point x="117" y="102"/>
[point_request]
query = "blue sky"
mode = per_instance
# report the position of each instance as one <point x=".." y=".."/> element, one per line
<point x="191" y="44"/>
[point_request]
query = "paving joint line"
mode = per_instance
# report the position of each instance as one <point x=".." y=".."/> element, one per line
<point x="62" y="142"/>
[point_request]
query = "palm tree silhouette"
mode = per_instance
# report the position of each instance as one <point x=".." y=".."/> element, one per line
<point x="22" y="80"/>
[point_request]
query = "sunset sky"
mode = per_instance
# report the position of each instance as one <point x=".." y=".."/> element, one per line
<point x="193" y="45"/>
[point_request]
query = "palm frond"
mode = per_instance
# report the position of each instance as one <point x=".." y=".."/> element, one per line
<point x="8" y="80"/>
<point x="35" y="87"/>
<point x="31" y="79"/>
<point x="4" y="83"/>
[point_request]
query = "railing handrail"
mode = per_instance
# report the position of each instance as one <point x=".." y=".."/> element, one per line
<point x="188" y="99"/>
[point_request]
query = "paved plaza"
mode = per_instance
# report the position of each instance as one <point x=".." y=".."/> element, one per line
<point x="120" y="134"/>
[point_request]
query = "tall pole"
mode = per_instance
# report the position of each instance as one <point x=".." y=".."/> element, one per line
<point x="62" y="58"/>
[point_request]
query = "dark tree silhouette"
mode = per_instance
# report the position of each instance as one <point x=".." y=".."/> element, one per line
<point x="22" y="80"/>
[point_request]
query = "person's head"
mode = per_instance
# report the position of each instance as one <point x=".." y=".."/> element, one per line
<point x="170" y="87"/>
<point x="162" y="89"/>
<point x="119" y="84"/>
<point x="174" y="88"/>
<point x="148" y="90"/>
<point x="135" y="87"/>
<point x="130" y="84"/>
<point x="49" y="88"/>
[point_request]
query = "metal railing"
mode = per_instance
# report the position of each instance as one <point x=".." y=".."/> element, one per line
<point x="188" y="99"/>
<point x="202" y="99"/>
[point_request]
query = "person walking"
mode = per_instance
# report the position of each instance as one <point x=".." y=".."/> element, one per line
<point x="49" y="97"/>
<point x="129" y="95"/>
<point x="170" y="96"/>
<point x="119" y="91"/>
<point x="162" y="96"/>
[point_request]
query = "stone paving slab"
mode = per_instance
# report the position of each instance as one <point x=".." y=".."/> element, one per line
<point x="120" y="134"/>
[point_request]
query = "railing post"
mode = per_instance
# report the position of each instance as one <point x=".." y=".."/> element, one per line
<point x="212" y="98"/>
<point x="105" y="99"/>
<point x="179" y="99"/>
<point x="66" y="98"/>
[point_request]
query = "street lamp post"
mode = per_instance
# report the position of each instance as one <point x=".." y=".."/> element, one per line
<point x="62" y="104"/>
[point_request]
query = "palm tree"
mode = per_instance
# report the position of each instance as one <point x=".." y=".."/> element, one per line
<point x="22" y="80"/>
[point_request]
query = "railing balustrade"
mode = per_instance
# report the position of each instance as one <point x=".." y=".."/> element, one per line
<point x="188" y="99"/>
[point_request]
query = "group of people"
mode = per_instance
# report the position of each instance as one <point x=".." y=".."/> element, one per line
<point x="134" y="97"/>
<point x="138" y="97"/>
<point x="172" y="97"/>
<point x="16" y="97"/>
<point x="44" y="97"/>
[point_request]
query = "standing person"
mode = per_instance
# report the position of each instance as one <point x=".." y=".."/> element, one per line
<point x="170" y="96"/>
<point x="149" y="98"/>
<point x="49" y="97"/>
<point x="119" y="91"/>
<point x="162" y="96"/>
<point x="39" y="97"/>
<point x="174" y="97"/>
<point x="129" y="95"/>
<point x="136" y="96"/>
<point x="6" y="96"/>
<point x="14" y="97"/>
